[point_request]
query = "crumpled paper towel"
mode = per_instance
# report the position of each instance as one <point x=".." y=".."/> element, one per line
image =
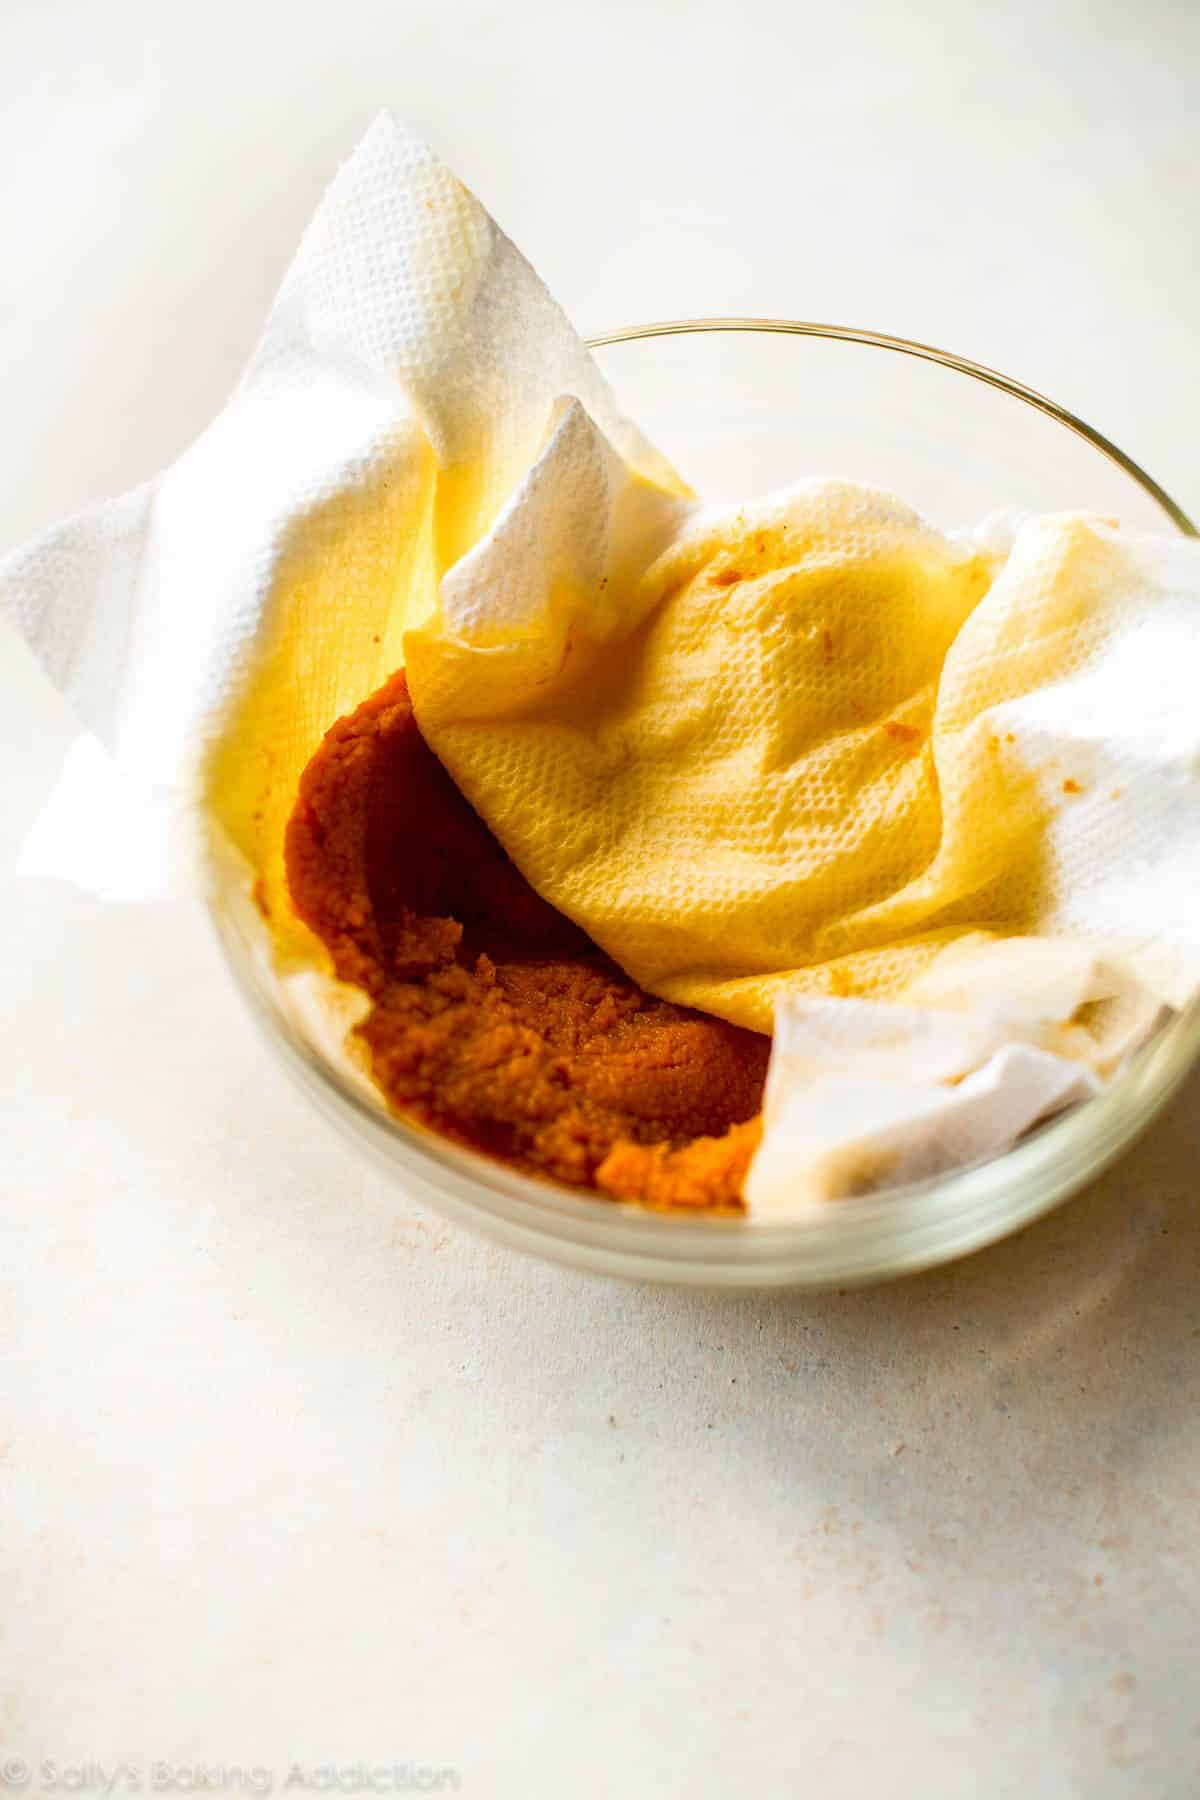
<point x="422" y="445"/>
<point x="208" y="627"/>
<point x="817" y="740"/>
<point x="997" y="1034"/>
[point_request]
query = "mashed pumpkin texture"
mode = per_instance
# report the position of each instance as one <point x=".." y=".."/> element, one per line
<point x="494" y="1019"/>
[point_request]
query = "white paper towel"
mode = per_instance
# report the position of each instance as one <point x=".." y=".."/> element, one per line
<point x="868" y="1093"/>
<point x="411" y="344"/>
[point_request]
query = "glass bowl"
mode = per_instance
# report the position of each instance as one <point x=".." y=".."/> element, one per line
<point x="742" y="406"/>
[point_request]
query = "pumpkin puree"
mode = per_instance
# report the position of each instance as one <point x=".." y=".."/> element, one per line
<point x="494" y="1019"/>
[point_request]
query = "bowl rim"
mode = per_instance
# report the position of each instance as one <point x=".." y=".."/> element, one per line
<point x="862" y="1239"/>
<point x="948" y="359"/>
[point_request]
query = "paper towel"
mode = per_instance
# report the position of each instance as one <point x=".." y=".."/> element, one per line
<point x="820" y="740"/>
<point x="995" y="1036"/>
<point x="208" y="627"/>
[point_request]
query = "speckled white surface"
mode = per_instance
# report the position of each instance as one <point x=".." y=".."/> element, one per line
<point x="292" y="1474"/>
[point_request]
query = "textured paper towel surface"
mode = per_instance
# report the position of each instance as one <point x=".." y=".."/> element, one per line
<point x="821" y="741"/>
<point x="210" y="626"/>
<point x="998" y="1033"/>
<point x="827" y="1136"/>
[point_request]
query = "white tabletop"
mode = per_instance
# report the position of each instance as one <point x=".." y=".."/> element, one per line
<point x="292" y="1473"/>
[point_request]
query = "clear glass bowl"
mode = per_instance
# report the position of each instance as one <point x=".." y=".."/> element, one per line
<point x="742" y="406"/>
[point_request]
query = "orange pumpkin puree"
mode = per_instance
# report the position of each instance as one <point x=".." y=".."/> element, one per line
<point x="494" y="1019"/>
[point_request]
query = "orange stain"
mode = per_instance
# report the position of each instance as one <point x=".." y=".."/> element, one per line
<point x="900" y="733"/>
